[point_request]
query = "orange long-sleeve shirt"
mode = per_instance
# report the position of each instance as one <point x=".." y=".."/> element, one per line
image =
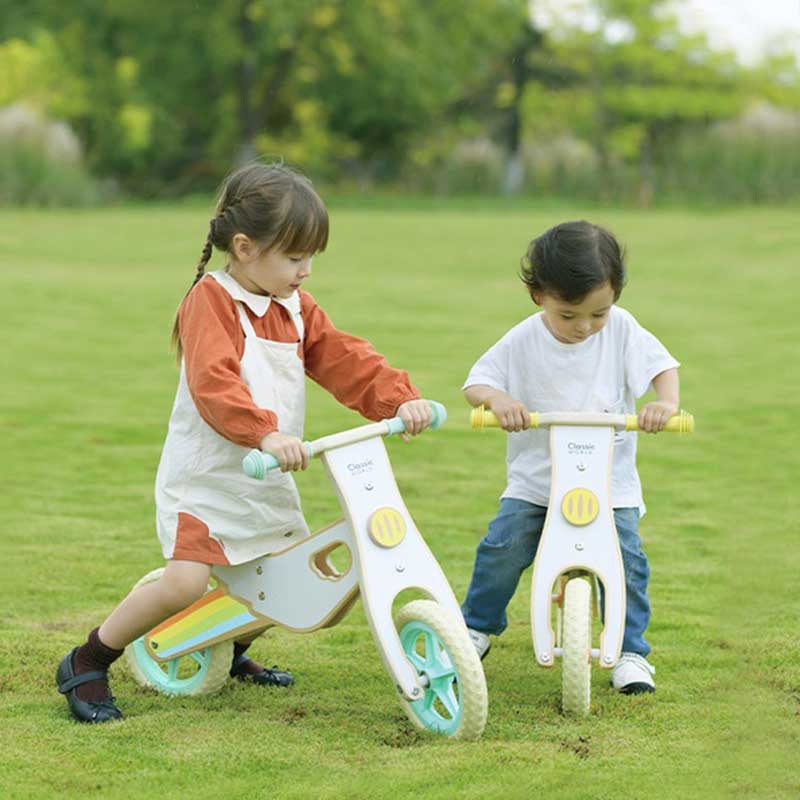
<point x="213" y="343"/>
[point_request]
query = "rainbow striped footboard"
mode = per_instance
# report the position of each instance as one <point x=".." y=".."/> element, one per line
<point x="211" y="619"/>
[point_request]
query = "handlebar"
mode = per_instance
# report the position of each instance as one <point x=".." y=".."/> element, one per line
<point x="682" y="422"/>
<point x="256" y="464"/>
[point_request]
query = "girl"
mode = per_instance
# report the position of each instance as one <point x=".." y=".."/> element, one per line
<point x="246" y="336"/>
<point x="580" y="353"/>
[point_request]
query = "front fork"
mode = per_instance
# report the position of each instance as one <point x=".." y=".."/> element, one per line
<point x="389" y="550"/>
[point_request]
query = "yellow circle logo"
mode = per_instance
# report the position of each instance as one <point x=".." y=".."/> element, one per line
<point x="579" y="506"/>
<point x="387" y="527"/>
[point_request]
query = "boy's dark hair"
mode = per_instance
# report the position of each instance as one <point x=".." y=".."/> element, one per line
<point x="275" y="206"/>
<point x="571" y="259"/>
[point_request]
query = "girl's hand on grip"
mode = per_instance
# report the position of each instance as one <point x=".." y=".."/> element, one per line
<point x="511" y="414"/>
<point x="416" y="414"/>
<point x="289" y="450"/>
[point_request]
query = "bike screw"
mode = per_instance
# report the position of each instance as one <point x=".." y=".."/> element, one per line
<point x="581" y="467"/>
<point x="261" y="595"/>
<point x="608" y="659"/>
<point x="545" y="656"/>
<point x="415" y="692"/>
<point x="259" y="570"/>
<point x="579" y="546"/>
<point x="368" y="486"/>
<point x="399" y="567"/>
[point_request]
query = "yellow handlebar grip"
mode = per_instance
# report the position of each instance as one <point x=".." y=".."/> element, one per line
<point x="682" y="422"/>
<point x="480" y="418"/>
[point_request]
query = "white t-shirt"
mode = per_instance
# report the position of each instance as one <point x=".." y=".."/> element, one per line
<point x="607" y="372"/>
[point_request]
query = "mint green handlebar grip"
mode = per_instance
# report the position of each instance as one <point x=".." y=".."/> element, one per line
<point x="438" y="418"/>
<point x="256" y="464"/>
<point x="438" y="414"/>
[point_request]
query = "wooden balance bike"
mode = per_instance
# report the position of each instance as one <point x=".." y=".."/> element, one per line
<point x="579" y="547"/>
<point x="426" y="648"/>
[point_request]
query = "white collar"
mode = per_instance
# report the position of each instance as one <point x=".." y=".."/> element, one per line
<point x="257" y="303"/>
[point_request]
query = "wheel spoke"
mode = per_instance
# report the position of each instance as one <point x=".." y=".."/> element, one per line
<point x="172" y="669"/>
<point x="416" y="659"/>
<point x="441" y="668"/>
<point x="198" y="657"/>
<point x="448" y="699"/>
<point x="431" y="649"/>
<point x="447" y="675"/>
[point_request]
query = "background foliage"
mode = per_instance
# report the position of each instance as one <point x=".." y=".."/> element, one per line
<point x="442" y="95"/>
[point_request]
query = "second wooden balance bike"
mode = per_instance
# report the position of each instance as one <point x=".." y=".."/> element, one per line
<point x="579" y="549"/>
<point x="425" y="649"/>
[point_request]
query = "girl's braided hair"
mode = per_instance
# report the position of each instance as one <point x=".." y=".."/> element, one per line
<point x="271" y="204"/>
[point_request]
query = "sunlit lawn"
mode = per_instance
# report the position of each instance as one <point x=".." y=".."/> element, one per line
<point x="88" y="381"/>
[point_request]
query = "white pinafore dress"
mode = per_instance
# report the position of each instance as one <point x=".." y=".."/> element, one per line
<point x="200" y="472"/>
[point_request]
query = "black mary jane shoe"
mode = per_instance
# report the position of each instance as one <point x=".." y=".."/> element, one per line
<point x="84" y="711"/>
<point x="267" y="677"/>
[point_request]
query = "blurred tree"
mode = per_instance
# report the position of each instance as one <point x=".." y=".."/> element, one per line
<point x="777" y="79"/>
<point x="387" y="69"/>
<point x="494" y="95"/>
<point x="149" y="68"/>
<point x="644" y="80"/>
<point x="33" y="72"/>
<point x="180" y="91"/>
<point x="167" y="96"/>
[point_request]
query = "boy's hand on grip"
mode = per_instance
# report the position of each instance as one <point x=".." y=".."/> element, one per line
<point x="654" y="416"/>
<point x="511" y="414"/>
<point x="289" y="450"/>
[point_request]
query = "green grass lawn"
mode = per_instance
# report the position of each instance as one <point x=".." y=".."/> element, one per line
<point x="86" y="308"/>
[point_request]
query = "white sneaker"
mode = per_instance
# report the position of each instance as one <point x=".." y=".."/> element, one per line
<point x="632" y="674"/>
<point x="481" y="642"/>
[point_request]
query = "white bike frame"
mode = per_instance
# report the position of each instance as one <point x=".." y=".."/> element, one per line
<point x="579" y="537"/>
<point x="300" y="589"/>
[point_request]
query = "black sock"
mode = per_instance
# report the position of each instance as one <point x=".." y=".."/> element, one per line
<point x="248" y="666"/>
<point x="239" y="648"/>
<point x="89" y="657"/>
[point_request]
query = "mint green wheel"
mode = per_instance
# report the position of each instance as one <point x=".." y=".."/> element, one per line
<point x="202" y="672"/>
<point x="454" y="701"/>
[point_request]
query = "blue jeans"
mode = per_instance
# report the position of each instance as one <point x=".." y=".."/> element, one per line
<point x="509" y="548"/>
